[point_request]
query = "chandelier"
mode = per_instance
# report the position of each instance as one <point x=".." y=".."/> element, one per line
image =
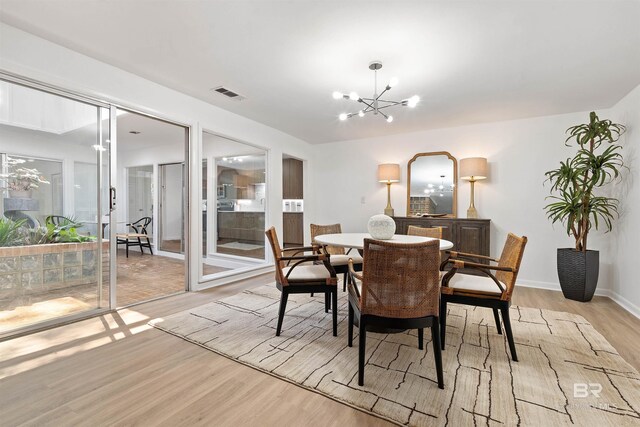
<point x="375" y="104"/>
<point x="441" y="188"/>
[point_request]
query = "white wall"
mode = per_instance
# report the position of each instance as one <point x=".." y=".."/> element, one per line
<point x="625" y="289"/>
<point x="513" y="197"/>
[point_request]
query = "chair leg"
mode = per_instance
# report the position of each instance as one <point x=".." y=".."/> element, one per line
<point x="443" y="321"/>
<point x="497" y="317"/>
<point x="150" y="248"/>
<point x="334" y="310"/>
<point x="140" y="244"/>
<point x="437" y="355"/>
<point x="344" y="282"/>
<point x="362" y="349"/>
<point x="350" y="334"/>
<point x="283" y="307"/>
<point x="327" y="302"/>
<point x="127" y="248"/>
<point x="507" y="328"/>
<point x="421" y="338"/>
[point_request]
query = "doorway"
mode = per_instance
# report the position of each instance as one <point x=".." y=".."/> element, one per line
<point x="151" y="217"/>
<point x="140" y="189"/>
<point x="171" y="218"/>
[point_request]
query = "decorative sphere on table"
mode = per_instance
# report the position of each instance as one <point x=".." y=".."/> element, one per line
<point x="381" y="227"/>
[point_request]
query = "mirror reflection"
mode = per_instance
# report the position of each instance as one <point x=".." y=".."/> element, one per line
<point x="432" y="179"/>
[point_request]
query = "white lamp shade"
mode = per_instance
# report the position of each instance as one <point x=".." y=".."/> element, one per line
<point x="473" y="168"/>
<point x="389" y="172"/>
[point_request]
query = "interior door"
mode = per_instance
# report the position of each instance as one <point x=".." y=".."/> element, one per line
<point x="171" y="209"/>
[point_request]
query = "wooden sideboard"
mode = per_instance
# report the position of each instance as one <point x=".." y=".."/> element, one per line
<point x="467" y="235"/>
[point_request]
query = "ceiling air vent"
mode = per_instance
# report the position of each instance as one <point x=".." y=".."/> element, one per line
<point x="228" y="93"/>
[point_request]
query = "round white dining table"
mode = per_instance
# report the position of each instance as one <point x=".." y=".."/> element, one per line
<point x="356" y="240"/>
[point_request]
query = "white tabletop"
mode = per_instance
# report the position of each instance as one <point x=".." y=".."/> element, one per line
<point x="356" y="240"/>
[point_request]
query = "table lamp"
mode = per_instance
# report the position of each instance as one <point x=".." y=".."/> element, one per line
<point x="388" y="173"/>
<point x="473" y="169"/>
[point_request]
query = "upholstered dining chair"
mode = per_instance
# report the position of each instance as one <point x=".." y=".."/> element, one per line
<point x="492" y="290"/>
<point x="300" y="274"/>
<point x="399" y="288"/>
<point x="337" y="256"/>
<point x="435" y="232"/>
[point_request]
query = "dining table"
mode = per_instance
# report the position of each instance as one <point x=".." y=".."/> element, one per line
<point x="356" y="240"/>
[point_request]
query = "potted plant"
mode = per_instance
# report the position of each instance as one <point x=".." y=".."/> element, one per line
<point x="20" y="180"/>
<point x="577" y="204"/>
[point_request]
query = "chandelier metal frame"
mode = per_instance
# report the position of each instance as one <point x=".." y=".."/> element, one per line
<point x="375" y="104"/>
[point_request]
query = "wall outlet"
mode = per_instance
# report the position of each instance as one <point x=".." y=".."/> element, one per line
<point x="363" y="200"/>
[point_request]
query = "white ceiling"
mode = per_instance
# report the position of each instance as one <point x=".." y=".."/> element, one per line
<point x="470" y="62"/>
<point x="153" y="133"/>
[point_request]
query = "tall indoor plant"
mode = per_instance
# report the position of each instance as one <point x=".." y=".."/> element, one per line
<point x="578" y="205"/>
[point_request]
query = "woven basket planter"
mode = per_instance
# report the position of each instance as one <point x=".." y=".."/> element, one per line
<point x="578" y="273"/>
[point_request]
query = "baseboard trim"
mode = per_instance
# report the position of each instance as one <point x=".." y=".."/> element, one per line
<point x="622" y="302"/>
<point x="613" y="296"/>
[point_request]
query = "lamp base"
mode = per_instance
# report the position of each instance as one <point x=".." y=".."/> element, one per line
<point x="472" y="212"/>
<point x="388" y="211"/>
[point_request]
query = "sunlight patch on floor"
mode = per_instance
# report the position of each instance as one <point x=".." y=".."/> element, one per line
<point x="31" y="351"/>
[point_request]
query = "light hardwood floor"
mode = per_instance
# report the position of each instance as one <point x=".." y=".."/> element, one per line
<point x="116" y="370"/>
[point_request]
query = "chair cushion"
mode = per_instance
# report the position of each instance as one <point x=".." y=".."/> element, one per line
<point x="311" y="273"/>
<point x="344" y="259"/>
<point x="128" y="235"/>
<point x="480" y="284"/>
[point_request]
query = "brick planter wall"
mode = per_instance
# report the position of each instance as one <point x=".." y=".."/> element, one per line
<point x="26" y="270"/>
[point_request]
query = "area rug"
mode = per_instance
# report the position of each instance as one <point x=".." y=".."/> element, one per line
<point x="240" y="246"/>
<point x="567" y="373"/>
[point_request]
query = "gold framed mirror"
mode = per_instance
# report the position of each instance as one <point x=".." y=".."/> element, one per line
<point x="432" y="185"/>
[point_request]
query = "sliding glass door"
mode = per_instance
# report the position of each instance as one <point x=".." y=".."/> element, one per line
<point x="54" y="207"/>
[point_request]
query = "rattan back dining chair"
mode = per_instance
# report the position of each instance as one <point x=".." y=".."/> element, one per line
<point x="338" y="258"/>
<point x="434" y="232"/>
<point x="399" y="288"/>
<point x="491" y="290"/>
<point x="298" y="273"/>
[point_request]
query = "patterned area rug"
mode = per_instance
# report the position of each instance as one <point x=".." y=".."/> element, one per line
<point x="567" y="373"/>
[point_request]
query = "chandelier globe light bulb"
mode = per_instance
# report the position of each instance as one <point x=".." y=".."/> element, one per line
<point x="413" y="101"/>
